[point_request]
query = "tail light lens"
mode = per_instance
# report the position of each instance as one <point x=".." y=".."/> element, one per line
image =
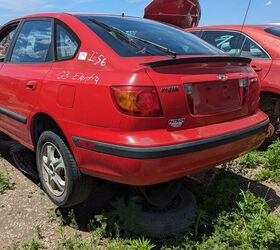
<point x="137" y="101"/>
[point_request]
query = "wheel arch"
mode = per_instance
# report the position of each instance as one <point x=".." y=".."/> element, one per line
<point x="41" y="122"/>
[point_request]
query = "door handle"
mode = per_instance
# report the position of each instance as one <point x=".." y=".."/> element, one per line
<point x="31" y="85"/>
<point x="257" y="69"/>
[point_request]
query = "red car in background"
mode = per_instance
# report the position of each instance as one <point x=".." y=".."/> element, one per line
<point x="261" y="43"/>
<point x="181" y="13"/>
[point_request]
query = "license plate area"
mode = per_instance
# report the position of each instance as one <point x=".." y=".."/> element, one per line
<point x="214" y="97"/>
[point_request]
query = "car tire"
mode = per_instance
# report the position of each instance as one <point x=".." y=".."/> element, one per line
<point x="4" y="137"/>
<point x="58" y="172"/>
<point x="171" y="222"/>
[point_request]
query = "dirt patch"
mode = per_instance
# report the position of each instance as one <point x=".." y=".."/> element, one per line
<point x="24" y="209"/>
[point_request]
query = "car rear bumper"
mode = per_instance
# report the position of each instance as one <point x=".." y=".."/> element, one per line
<point x="147" y="165"/>
<point x="172" y="150"/>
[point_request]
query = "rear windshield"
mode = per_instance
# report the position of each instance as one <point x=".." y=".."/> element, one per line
<point x="274" y="31"/>
<point x="127" y="44"/>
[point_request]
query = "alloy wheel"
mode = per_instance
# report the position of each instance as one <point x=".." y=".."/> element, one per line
<point x="53" y="169"/>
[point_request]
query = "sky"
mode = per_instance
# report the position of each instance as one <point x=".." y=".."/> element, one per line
<point x="213" y="11"/>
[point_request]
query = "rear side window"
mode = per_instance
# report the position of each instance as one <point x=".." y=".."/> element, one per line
<point x="66" y="44"/>
<point x="274" y="31"/>
<point x="33" y="44"/>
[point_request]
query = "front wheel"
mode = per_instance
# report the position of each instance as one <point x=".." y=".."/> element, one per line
<point x="59" y="174"/>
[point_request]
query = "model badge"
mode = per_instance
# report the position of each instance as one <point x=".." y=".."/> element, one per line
<point x="222" y="77"/>
<point x="176" y="123"/>
<point x="169" y="89"/>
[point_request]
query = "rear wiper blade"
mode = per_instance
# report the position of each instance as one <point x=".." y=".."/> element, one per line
<point x="121" y="35"/>
<point x="124" y="36"/>
<point x="157" y="46"/>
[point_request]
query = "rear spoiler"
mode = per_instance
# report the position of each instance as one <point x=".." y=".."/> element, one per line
<point x="205" y="59"/>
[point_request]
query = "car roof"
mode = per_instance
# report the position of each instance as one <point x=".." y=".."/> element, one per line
<point x="61" y="14"/>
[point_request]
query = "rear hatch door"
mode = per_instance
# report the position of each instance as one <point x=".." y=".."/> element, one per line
<point x="202" y="90"/>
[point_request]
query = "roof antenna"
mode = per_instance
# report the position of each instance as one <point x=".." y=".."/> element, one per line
<point x="122" y="14"/>
<point x="243" y="24"/>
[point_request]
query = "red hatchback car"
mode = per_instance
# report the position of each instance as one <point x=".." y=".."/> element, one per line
<point x="261" y="43"/>
<point x="124" y="99"/>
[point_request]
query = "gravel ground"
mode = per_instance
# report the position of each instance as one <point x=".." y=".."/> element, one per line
<point x="24" y="209"/>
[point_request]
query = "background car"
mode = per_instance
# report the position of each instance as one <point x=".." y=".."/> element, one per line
<point x="181" y="13"/>
<point x="261" y="43"/>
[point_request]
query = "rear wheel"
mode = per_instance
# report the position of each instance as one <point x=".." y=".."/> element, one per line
<point x="58" y="172"/>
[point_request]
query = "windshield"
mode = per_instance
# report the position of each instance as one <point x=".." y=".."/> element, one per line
<point x="175" y="40"/>
<point x="274" y="31"/>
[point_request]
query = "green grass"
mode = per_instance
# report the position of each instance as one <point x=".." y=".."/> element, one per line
<point x="252" y="159"/>
<point x="272" y="170"/>
<point x="269" y="161"/>
<point x="93" y="242"/>
<point x="5" y="182"/>
<point x="228" y="218"/>
<point x="32" y="245"/>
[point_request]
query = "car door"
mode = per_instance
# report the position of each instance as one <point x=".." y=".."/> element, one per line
<point x="261" y="60"/>
<point x="28" y="62"/>
<point x="6" y="37"/>
<point x="236" y="43"/>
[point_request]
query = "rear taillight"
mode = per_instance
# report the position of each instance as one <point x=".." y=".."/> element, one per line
<point x="137" y="101"/>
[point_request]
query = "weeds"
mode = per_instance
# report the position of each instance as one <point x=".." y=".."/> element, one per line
<point x="90" y="243"/>
<point x="252" y="159"/>
<point x="244" y="223"/>
<point x="269" y="160"/>
<point x="271" y="172"/>
<point x="273" y="155"/>
<point x="227" y="218"/>
<point x="121" y="220"/>
<point x="34" y="244"/>
<point x="5" y="183"/>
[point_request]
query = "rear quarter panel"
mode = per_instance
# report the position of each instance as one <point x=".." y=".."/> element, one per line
<point x="272" y="82"/>
<point x="78" y="90"/>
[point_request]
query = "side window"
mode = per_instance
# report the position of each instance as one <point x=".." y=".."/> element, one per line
<point x="66" y="44"/>
<point x="229" y="42"/>
<point x="33" y="44"/>
<point x="252" y="50"/>
<point x="5" y="41"/>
